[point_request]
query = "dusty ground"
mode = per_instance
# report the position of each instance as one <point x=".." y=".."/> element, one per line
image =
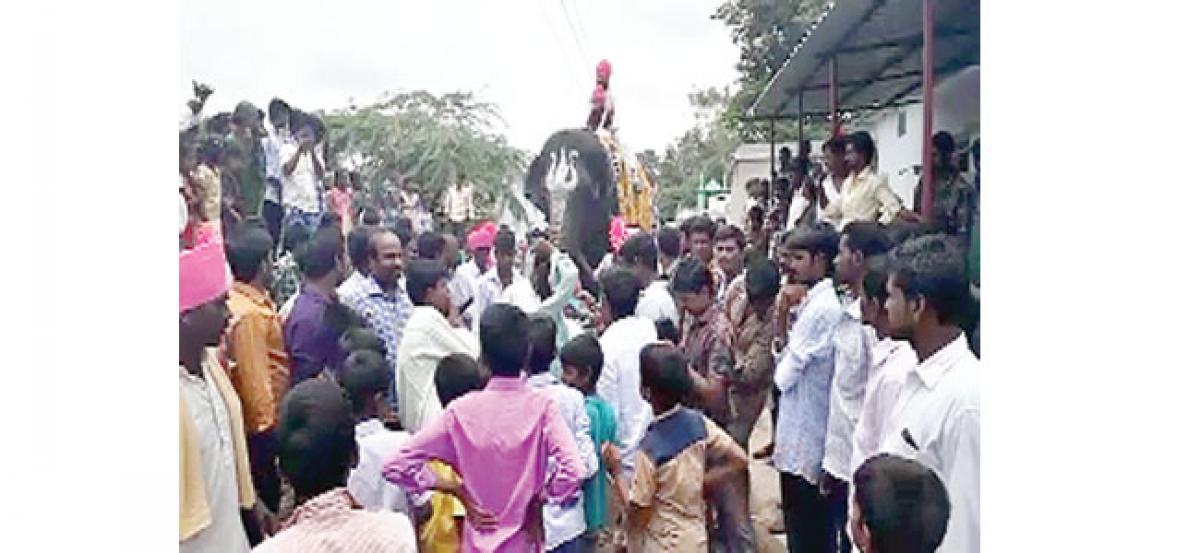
<point x="764" y="492"/>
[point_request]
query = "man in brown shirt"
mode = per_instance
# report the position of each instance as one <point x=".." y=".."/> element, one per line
<point x="259" y="371"/>
<point x="707" y="339"/>
<point x="751" y="381"/>
<point x="729" y="250"/>
<point x="708" y="349"/>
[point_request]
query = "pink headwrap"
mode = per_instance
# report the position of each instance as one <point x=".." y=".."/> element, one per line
<point x="203" y="273"/>
<point x="617" y="233"/>
<point x="483" y="236"/>
<point x="603" y="71"/>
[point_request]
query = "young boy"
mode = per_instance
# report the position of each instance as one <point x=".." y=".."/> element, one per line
<point x="316" y="451"/>
<point x="360" y="338"/>
<point x="582" y="360"/>
<point x="456" y="375"/>
<point x="508" y="441"/>
<point x="564" y="525"/>
<point x="803" y="376"/>
<point x="666" y="499"/>
<point x="899" y="506"/>
<point x="366" y="379"/>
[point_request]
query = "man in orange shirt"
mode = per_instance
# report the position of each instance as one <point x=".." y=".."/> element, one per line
<point x="259" y="368"/>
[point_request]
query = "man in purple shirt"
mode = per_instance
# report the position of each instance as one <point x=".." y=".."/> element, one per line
<point x="310" y="332"/>
<point x="508" y="442"/>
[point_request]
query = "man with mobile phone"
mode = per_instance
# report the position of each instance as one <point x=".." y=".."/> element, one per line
<point x="302" y="170"/>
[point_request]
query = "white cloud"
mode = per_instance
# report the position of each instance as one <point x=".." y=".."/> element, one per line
<point x="519" y="54"/>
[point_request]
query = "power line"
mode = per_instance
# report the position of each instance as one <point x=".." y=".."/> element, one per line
<point x="579" y="23"/>
<point x="574" y="34"/>
<point x="561" y="49"/>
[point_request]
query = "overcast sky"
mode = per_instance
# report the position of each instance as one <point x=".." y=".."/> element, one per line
<point x="518" y="54"/>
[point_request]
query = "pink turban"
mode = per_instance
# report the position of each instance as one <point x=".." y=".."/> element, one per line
<point x="483" y="236"/>
<point x="617" y="233"/>
<point x="603" y="71"/>
<point x="203" y="272"/>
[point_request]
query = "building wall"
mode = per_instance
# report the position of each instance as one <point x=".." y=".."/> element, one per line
<point x="956" y="101"/>
<point x="749" y="161"/>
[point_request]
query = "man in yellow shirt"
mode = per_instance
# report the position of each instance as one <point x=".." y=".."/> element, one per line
<point x="260" y="362"/>
<point x="865" y="194"/>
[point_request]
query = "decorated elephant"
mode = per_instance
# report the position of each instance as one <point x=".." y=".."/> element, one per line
<point x="571" y="182"/>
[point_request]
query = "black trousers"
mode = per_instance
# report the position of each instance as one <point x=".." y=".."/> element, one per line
<point x="273" y="215"/>
<point x="263" y="451"/>
<point x="839" y="506"/>
<point x="807" y="516"/>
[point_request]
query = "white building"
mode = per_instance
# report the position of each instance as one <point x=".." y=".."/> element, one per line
<point x="897" y="131"/>
<point x="750" y="161"/>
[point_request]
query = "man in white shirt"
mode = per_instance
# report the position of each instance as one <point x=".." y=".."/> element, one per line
<point x="462" y="286"/>
<point x="817" y="196"/>
<point x="460" y="207"/>
<point x="803" y="375"/>
<point x="375" y="289"/>
<point x="852" y="361"/>
<point x="278" y="134"/>
<point x="640" y="254"/>
<point x="891" y="361"/>
<point x="502" y="283"/>
<point x="620" y="381"/>
<point x="936" y="417"/>
<point x="670" y="242"/>
<point x="433" y="331"/>
<point x="302" y="171"/>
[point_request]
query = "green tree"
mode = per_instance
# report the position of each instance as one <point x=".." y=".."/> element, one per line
<point x="432" y="139"/>
<point x="702" y="153"/>
<point x="765" y="32"/>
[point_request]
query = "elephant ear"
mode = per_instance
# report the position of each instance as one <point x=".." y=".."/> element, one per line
<point x="535" y="183"/>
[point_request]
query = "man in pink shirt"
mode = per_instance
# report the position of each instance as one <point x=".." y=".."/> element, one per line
<point x="508" y="442"/>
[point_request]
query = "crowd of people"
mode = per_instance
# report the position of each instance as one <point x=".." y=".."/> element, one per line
<point x="351" y="381"/>
<point x="280" y="166"/>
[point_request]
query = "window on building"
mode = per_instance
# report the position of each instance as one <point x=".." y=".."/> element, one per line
<point x="902" y="123"/>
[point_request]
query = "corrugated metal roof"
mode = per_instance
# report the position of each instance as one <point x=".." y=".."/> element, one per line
<point x="878" y="48"/>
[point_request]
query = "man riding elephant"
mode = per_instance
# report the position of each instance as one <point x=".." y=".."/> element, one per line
<point x="603" y="111"/>
<point x="634" y="189"/>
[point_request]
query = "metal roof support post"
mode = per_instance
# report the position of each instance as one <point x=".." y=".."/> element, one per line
<point x="771" y="184"/>
<point x="835" y="122"/>
<point x="927" y="79"/>
<point x="800" y="121"/>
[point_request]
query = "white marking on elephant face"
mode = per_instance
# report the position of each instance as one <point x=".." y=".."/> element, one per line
<point x="560" y="180"/>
